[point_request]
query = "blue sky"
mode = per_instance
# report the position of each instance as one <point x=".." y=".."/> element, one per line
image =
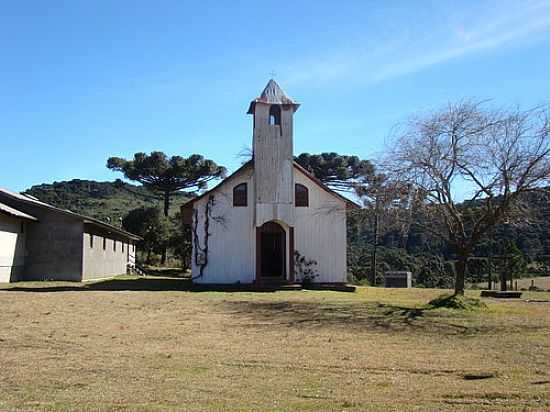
<point x="85" y="80"/>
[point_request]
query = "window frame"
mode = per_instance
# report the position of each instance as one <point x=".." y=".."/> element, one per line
<point x="243" y="198"/>
<point x="304" y="202"/>
<point x="275" y="113"/>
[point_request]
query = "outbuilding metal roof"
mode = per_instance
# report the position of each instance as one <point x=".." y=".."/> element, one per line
<point x="86" y="219"/>
<point x="14" y="212"/>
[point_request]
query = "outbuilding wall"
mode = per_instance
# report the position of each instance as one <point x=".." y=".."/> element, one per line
<point x="104" y="256"/>
<point x="12" y="247"/>
<point x="55" y="247"/>
<point x="54" y="243"/>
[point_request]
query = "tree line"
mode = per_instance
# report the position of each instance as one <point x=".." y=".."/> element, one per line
<point x="460" y="176"/>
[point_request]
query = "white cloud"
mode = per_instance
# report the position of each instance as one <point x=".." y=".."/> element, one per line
<point x="422" y="44"/>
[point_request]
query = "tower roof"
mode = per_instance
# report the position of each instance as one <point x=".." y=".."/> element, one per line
<point x="273" y="94"/>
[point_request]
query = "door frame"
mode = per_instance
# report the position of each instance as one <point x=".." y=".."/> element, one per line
<point x="288" y="254"/>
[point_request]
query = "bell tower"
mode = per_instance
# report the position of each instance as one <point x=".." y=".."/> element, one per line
<point x="272" y="145"/>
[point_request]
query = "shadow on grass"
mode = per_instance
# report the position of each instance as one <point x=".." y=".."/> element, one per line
<point x="154" y="284"/>
<point x="167" y="272"/>
<point x="139" y="284"/>
<point x="363" y="316"/>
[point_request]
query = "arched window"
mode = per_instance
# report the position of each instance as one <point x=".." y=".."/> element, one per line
<point x="301" y="195"/>
<point x="240" y="198"/>
<point x="275" y="115"/>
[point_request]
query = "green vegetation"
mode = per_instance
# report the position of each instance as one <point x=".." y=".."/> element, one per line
<point x="340" y="172"/>
<point x="126" y="205"/>
<point x="430" y="260"/>
<point x="164" y="347"/>
<point x="399" y="245"/>
<point x="165" y="176"/>
<point x="106" y="201"/>
<point x="501" y="154"/>
<point x="456" y="302"/>
<point x="414" y="248"/>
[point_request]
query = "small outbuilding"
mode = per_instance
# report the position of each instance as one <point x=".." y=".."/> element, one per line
<point x="398" y="279"/>
<point x="42" y="242"/>
<point x="13" y="229"/>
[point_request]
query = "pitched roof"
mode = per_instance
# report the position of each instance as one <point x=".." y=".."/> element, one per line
<point x="273" y="94"/>
<point x="250" y="163"/>
<point x="14" y="212"/>
<point x="85" y="219"/>
<point x="245" y="166"/>
<point x="311" y="176"/>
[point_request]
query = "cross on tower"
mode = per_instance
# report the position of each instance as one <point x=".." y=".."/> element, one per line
<point x="272" y="74"/>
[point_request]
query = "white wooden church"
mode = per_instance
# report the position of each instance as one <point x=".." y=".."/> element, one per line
<point x="248" y="228"/>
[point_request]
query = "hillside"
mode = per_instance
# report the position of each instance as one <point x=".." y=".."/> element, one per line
<point x="101" y="200"/>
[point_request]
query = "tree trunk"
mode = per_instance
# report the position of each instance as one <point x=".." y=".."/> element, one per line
<point x="490" y="280"/>
<point x="460" y="273"/>
<point x="374" y="250"/>
<point x="503" y="285"/>
<point x="166" y="203"/>
<point x="166" y="210"/>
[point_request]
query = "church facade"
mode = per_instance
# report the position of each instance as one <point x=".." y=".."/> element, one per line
<point x="271" y="221"/>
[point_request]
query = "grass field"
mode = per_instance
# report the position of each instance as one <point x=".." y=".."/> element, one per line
<point x="150" y="344"/>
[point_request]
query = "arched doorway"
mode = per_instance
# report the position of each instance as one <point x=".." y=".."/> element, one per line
<point x="271" y="246"/>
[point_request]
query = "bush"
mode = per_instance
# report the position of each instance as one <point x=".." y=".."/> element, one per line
<point x="456" y="302"/>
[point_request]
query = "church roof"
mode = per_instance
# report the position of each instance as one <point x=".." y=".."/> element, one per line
<point x="250" y="164"/>
<point x="273" y="94"/>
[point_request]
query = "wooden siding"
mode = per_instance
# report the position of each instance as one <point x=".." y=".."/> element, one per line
<point x="273" y="166"/>
<point x="231" y="256"/>
<point x="320" y="231"/>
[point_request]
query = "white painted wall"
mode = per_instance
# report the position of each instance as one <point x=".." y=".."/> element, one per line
<point x="320" y="231"/>
<point x="231" y="256"/>
<point x="12" y="248"/>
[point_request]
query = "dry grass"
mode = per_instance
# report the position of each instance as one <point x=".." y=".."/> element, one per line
<point x="542" y="282"/>
<point x="152" y="345"/>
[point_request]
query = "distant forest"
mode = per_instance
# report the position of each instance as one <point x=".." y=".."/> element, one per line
<point x="427" y="257"/>
<point x="107" y="201"/>
<point x="432" y="261"/>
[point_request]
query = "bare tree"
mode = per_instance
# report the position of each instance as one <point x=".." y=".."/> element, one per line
<point x="470" y="167"/>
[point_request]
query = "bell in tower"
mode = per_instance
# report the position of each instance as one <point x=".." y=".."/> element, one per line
<point x="272" y="146"/>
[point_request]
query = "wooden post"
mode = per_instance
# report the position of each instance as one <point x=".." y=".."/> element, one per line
<point x="291" y="277"/>
<point x="258" y="256"/>
<point x="375" y="246"/>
